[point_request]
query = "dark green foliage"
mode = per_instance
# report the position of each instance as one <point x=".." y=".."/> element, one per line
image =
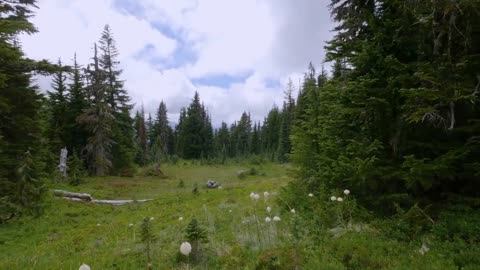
<point x="196" y="235"/>
<point x="195" y="189"/>
<point x="57" y="103"/>
<point x="147" y="237"/>
<point x="75" y="169"/>
<point x="141" y="156"/>
<point x="287" y="118"/>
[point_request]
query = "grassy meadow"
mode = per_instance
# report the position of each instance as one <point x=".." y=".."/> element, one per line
<point x="109" y="237"/>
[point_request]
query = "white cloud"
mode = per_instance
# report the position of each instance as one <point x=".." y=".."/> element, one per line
<point x="271" y="39"/>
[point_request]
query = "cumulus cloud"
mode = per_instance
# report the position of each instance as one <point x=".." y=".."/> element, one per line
<point x="171" y="48"/>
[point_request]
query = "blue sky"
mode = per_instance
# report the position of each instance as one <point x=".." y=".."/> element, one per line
<point x="239" y="55"/>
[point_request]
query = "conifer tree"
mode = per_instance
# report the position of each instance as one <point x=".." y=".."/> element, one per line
<point x="57" y="102"/>
<point x="288" y="115"/>
<point x="98" y="120"/>
<point x="141" y="156"/>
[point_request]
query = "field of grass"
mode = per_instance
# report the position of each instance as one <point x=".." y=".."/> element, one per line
<point x="109" y="237"/>
<point x="70" y="233"/>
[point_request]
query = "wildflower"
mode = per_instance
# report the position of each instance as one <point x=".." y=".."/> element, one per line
<point x="98" y="224"/>
<point x="269" y="209"/>
<point x="310" y="195"/>
<point x="152" y="218"/>
<point x="293" y="211"/>
<point x="424" y="249"/>
<point x="252" y="195"/>
<point x="333" y="198"/>
<point x="346" y="191"/>
<point x="268" y="219"/>
<point x="220" y="187"/>
<point x="266" y="194"/>
<point x="256" y="196"/>
<point x="130" y="225"/>
<point x="339" y="199"/>
<point x="180" y="218"/>
<point x="185" y="248"/>
<point x="84" y="267"/>
<point x="229" y="211"/>
<point x="276" y="218"/>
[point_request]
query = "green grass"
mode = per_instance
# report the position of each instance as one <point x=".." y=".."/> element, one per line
<point x="70" y="233"/>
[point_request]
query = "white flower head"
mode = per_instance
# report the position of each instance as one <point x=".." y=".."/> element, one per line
<point x="276" y="218"/>
<point x="339" y="199"/>
<point x="269" y="209"/>
<point x="252" y="195"/>
<point x="185" y="248"/>
<point x="180" y="218"/>
<point x="130" y="225"/>
<point x="292" y="211"/>
<point x="310" y="194"/>
<point x="424" y="249"/>
<point x="256" y="196"/>
<point x="265" y="195"/>
<point x="152" y="218"/>
<point x="333" y="198"/>
<point x="268" y="219"/>
<point x="229" y="211"/>
<point x="346" y="192"/>
<point x="220" y="187"/>
<point x="84" y="267"/>
<point x="98" y="224"/>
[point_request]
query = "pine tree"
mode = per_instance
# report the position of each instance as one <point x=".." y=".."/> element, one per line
<point x="77" y="104"/>
<point x="57" y="100"/>
<point x="98" y="121"/>
<point x="270" y="133"/>
<point x="288" y="115"/>
<point x="141" y="138"/>
<point x="161" y="131"/>
<point x="21" y="126"/>
<point x="123" y="149"/>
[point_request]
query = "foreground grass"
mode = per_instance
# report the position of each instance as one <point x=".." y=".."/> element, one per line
<point x="70" y="233"/>
<point x="108" y="237"/>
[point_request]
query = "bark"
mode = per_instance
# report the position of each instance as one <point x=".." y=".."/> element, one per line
<point x="79" y="197"/>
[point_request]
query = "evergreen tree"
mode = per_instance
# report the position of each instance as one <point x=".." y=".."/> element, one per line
<point x="270" y="133"/>
<point x="288" y="114"/>
<point x="141" y="138"/>
<point x="77" y="104"/>
<point x="57" y="101"/>
<point x="123" y="149"/>
<point x="21" y="127"/>
<point x="222" y="141"/>
<point x="162" y="131"/>
<point x="98" y="120"/>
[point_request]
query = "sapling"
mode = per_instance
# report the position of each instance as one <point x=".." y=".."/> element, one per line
<point x="196" y="234"/>
<point x="147" y="237"/>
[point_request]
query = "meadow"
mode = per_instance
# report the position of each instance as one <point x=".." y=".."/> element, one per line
<point x="239" y="237"/>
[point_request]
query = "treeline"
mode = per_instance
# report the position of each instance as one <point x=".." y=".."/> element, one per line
<point x="399" y="120"/>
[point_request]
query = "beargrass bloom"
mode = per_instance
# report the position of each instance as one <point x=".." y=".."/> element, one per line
<point x="424" y="249"/>
<point x="339" y="199"/>
<point x="333" y="198"/>
<point x="152" y="218"/>
<point x="310" y="195"/>
<point x="130" y="225"/>
<point x="265" y="195"/>
<point x="269" y="209"/>
<point x="180" y="218"/>
<point x="276" y="218"/>
<point x="185" y="248"/>
<point x="346" y="192"/>
<point x="268" y="219"/>
<point x="292" y="211"/>
<point x="84" y="267"/>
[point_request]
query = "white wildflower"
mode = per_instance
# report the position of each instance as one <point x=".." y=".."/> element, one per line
<point x="185" y="248"/>
<point x="180" y="218"/>
<point x="339" y="199"/>
<point x="269" y="209"/>
<point x="98" y="224"/>
<point x="230" y="210"/>
<point x="346" y="192"/>
<point x="152" y="218"/>
<point x="333" y="198"/>
<point x="424" y="249"/>
<point x="293" y="210"/>
<point x="310" y="195"/>
<point x="276" y="218"/>
<point x="256" y="196"/>
<point x="84" y="267"/>
<point x="130" y="225"/>
<point x="265" y="195"/>
<point x="268" y="219"/>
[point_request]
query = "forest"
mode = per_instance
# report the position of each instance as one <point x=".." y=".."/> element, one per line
<point x="374" y="164"/>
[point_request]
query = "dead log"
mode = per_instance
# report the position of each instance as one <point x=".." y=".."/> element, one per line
<point x="118" y="202"/>
<point x="63" y="193"/>
<point x="78" y="197"/>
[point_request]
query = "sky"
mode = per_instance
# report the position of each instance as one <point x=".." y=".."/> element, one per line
<point x="239" y="55"/>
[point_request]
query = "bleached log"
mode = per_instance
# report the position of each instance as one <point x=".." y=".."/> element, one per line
<point x="64" y="193"/>
<point x="118" y="202"/>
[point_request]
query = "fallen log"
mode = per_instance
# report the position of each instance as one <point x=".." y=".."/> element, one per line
<point x="118" y="202"/>
<point x="82" y="197"/>
<point x="64" y="193"/>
